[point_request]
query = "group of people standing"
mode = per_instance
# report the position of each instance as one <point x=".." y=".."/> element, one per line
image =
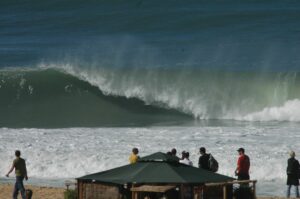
<point x="206" y="161"/>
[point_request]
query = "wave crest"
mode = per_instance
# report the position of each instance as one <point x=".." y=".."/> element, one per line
<point x="64" y="96"/>
<point x="205" y="95"/>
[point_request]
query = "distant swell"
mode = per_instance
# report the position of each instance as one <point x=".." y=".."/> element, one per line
<point x="72" y="96"/>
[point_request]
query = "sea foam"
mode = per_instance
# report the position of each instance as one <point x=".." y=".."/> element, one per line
<point x="73" y="152"/>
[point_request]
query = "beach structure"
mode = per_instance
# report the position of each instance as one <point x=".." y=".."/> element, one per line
<point x="155" y="176"/>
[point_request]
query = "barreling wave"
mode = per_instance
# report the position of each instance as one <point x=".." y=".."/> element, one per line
<point x="73" y="96"/>
<point x="51" y="98"/>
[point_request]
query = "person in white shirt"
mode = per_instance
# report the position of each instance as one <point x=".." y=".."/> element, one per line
<point x="186" y="159"/>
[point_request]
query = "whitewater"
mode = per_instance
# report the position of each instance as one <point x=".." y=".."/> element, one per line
<point x="60" y="154"/>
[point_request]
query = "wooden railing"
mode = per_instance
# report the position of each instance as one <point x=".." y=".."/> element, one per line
<point x="240" y="182"/>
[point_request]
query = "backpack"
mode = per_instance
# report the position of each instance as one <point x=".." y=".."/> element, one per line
<point x="213" y="163"/>
<point x="298" y="169"/>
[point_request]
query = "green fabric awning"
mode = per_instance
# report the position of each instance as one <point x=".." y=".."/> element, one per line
<point x="157" y="168"/>
<point x="159" y="157"/>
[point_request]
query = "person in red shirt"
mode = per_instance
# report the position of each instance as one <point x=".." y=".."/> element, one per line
<point x="243" y="165"/>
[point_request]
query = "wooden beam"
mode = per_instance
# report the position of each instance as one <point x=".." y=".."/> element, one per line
<point x="230" y="183"/>
<point x="153" y="188"/>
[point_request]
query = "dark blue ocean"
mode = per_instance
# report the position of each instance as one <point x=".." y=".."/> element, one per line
<point x="144" y="62"/>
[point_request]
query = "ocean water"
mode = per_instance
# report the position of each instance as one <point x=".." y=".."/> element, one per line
<point x="85" y="81"/>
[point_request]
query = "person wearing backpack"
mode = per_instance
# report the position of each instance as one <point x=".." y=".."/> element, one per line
<point x="292" y="171"/>
<point x="243" y="165"/>
<point x="203" y="162"/>
<point x="207" y="161"/>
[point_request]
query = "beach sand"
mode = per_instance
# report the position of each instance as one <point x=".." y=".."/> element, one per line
<point x="38" y="192"/>
<point x="52" y="193"/>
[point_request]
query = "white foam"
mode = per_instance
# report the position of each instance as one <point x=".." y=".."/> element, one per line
<point x="289" y="111"/>
<point x="73" y="152"/>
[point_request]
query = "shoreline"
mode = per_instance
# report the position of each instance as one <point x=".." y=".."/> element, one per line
<point x="48" y="192"/>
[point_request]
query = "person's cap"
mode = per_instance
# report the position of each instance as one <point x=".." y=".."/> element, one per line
<point x="241" y="150"/>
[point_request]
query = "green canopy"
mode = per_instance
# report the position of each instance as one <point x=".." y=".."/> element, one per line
<point x="158" y="168"/>
<point x="159" y="157"/>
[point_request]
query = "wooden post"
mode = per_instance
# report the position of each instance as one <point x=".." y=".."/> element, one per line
<point x="181" y="192"/>
<point x="78" y="190"/>
<point x="254" y="189"/>
<point x="134" y="194"/>
<point x="224" y="192"/>
<point x="202" y="192"/>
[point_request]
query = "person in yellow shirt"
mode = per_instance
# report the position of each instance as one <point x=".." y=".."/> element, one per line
<point x="134" y="156"/>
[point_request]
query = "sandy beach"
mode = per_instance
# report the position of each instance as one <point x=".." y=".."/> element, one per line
<point x="53" y="193"/>
<point x="38" y="192"/>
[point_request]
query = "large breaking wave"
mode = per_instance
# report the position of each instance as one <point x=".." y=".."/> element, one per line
<point x="72" y="96"/>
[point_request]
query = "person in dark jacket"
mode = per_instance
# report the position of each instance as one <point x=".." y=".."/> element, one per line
<point x="292" y="171"/>
<point x="203" y="159"/>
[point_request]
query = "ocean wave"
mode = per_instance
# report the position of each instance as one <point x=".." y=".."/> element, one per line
<point x="203" y="94"/>
<point x="51" y="98"/>
<point x="66" y="95"/>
